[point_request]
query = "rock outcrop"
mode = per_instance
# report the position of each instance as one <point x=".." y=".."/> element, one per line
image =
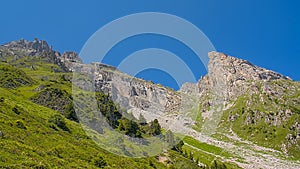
<point x="229" y="77"/>
<point x="23" y="47"/>
<point x="69" y="59"/>
<point x="39" y="48"/>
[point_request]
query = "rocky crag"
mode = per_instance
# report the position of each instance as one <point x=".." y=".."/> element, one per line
<point x="39" y="48"/>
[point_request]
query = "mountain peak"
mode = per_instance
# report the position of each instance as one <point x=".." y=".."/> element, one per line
<point x="33" y="47"/>
<point x="238" y="69"/>
<point x="230" y="77"/>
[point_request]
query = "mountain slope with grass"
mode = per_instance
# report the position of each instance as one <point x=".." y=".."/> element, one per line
<point x="33" y="135"/>
<point x="237" y="116"/>
<point x="260" y="105"/>
<point x="38" y="125"/>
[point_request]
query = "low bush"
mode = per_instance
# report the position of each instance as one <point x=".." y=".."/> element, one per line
<point x="59" y="121"/>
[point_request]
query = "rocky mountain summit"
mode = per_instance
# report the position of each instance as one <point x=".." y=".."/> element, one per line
<point x="231" y="77"/>
<point x="39" y="48"/>
<point x="28" y="48"/>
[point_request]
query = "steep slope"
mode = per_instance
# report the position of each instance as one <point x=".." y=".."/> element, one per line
<point x="11" y="77"/>
<point x="29" y="138"/>
<point x="238" y="113"/>
<point x="262" y="105"/>
<point x="34" y="134"/>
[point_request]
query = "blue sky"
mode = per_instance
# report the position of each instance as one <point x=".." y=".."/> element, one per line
<point x="267" y="33"/>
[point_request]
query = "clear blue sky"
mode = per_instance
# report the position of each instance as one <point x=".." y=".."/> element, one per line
<point x="267" y="33"/>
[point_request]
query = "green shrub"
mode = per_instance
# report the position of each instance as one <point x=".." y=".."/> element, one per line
<point x="129" y="127"/>
<point x="58" y="150"/>
<point x="20" y="124"/>
<point x="99" y="161"/>
<point x="59" y="121"/>
<point x="70" y="113"/>
<point x="16" y="110"/>
<point x="153" y="128"/>
<point x="178" y="146"/>
<point x="218" y="165"/>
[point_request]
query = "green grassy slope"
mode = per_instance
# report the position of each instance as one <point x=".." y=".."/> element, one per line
<point x="30" y="138"/>
<point x="38" y="132"/>
<point x="266" y="119"/>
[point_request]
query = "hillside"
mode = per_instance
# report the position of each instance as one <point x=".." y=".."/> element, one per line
<point x="38" y="127"/>
<point x="238" y="115"/>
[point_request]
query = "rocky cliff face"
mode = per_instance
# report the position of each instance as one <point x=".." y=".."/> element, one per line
<point x="230" y="77"/>
<point x="135" y="95"/>
<point x="69" y="59"/>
